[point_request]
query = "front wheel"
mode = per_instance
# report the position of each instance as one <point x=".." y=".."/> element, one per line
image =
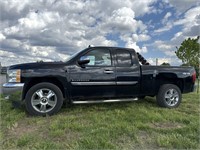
<point x="169" y="96"/>
<point x="43" y="98"/>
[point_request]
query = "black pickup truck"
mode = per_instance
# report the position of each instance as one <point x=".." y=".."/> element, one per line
<point x="96" y="74"/>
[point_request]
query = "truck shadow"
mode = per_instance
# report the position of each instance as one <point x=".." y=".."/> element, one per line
<point x="148" y="102"/>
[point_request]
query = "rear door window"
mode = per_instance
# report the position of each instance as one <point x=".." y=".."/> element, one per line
<point x="123" y="58"/>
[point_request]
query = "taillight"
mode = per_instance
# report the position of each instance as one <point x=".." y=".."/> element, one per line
<point x="194" y="77"/>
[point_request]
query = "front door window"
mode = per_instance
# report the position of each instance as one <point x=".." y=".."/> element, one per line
<point x="100" y="57"/>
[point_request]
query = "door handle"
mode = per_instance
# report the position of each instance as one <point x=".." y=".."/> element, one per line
<point x="108" y="71"/>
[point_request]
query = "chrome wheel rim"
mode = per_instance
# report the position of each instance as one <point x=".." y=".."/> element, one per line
<point x="43" y="100"/>
<point x="171" y="97"/>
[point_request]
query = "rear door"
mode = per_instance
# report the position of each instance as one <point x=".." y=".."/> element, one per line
<point x="127" y="73"/>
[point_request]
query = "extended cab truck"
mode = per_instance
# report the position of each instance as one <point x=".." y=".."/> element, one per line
<point x="96" y="74"/>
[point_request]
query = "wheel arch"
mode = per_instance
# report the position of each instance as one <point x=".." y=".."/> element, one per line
<point x="33" y="81"/>
<point x="169" y="78"/>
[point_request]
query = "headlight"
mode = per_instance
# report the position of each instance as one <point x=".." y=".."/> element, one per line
<point x="14" y="75"/>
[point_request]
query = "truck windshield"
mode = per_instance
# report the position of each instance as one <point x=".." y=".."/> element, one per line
<point x="72" y="56"/>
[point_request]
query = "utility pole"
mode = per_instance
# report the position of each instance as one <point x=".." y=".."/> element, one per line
<point x="156" y="61"/>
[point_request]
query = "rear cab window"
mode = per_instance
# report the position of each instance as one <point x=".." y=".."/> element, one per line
<point x="123" y="58"/>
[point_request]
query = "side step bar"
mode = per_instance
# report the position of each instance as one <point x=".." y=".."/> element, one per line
<point x="105" y="101"/>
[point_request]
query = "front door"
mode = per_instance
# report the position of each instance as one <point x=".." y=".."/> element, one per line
<point x="95" y="79"/>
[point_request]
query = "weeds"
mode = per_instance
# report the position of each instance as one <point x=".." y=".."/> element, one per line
<point x="129" y="125"/>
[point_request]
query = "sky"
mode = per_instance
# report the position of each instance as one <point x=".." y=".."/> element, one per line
<point x="52" y="30"/>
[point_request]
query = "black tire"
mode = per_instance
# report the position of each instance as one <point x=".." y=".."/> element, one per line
<point x="169" y="96"/>
<point x="47" y="106"/>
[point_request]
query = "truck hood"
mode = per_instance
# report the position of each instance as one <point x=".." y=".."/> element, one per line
<point x="39" y="65"/>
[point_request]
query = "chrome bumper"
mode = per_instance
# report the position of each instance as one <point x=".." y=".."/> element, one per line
<point x="13" y="91"/>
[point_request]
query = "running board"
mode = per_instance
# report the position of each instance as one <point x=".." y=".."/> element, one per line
<point x="105" y="101"/>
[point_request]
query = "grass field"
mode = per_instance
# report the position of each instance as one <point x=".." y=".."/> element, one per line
<point x="132" y="125"/>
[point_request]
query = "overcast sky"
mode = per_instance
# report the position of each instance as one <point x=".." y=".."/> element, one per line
<point x="52" y="30"/>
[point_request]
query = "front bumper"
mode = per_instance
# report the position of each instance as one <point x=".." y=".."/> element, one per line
<point x="13" y="92"/>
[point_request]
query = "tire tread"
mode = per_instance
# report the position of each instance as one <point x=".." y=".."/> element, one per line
<point x="160" y="96"/>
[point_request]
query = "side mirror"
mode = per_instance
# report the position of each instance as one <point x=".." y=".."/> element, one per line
<point x="82" y="63"/>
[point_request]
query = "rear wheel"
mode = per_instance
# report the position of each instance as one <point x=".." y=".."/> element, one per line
<point x="169" y="96"/>
<point x="43" y="98"/>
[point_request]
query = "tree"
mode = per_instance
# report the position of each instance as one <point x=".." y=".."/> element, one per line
<point x="188" y="52"/>
<point x="40" y="61"/>
<point x="184" y="65"/>
<point x="165" y="64"/>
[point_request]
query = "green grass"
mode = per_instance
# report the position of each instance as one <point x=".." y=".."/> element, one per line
<point x="139" y="124"/>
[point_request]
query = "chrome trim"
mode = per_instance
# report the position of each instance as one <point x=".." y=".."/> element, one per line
<point x="93" y="83"/>
<point x="108" y="72"/>
<point x="171" y="97"/>
<point x="13" y="85"/>
<point x="106" y="83"/>
<point x="127" y="82"/>
<point x="105" y="101"/>
<point x="155" y="73"/>
<point x="13" y="91"/>
<point x="44" y="100"/>
<point x="186" y="73"/>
